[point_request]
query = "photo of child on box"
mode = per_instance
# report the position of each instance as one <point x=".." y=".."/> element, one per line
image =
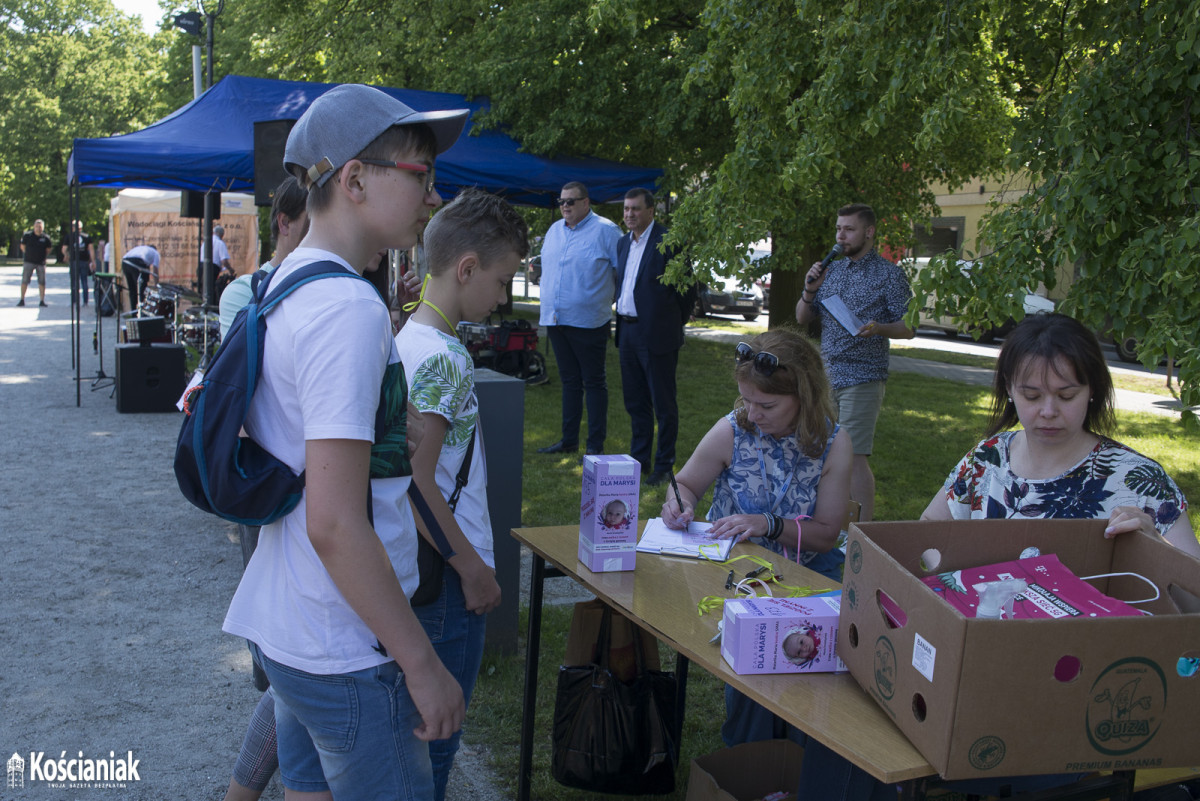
<point x="608" y="512"/>
<point x="782" y="635"/>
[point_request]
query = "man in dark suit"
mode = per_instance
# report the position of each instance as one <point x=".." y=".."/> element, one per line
<point x="650" y="319"/>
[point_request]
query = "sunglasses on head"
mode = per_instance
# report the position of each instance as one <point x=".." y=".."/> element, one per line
<point x="568" y="201"/>
<point x="764" y="362"/>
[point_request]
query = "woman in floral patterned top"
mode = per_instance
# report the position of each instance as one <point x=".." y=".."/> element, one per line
<point x="1051" y="378"/>
<point x="780" y="464"/>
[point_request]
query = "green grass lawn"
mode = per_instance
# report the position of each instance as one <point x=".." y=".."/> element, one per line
<point x="925" y="428"/>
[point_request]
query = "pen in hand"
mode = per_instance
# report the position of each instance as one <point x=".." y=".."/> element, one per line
<point x="675" y="487"/>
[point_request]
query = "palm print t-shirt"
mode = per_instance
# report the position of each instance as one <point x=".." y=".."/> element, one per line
<point x="442" y="382"/>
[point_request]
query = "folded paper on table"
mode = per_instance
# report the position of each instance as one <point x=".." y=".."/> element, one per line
<point x="694" y="543"/>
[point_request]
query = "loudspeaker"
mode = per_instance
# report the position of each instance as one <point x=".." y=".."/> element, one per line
<point x="191" y="204"/>
<point x="270" y="139"/>
<point x="150" y="378"/>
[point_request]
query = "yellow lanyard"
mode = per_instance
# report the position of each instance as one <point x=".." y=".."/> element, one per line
<point x="412" y="306"/>
<point x="711" y="602"/>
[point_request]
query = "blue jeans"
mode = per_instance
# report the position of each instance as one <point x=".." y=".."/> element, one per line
<point x="350" y="733"/>
<point x="83" y="272"/>
<point x="457" y="636"/>
<point x="580" y="354"/>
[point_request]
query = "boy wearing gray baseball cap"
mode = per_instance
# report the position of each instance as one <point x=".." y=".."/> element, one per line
<point x="358" y="688"/>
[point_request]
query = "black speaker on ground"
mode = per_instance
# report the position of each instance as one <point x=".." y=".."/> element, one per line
<point x="270" y="139"/>
<point x="191" y="204"/>
<point x="150" y="378"/>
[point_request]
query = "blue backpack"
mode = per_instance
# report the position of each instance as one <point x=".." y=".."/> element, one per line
<point x="218" y="470"/>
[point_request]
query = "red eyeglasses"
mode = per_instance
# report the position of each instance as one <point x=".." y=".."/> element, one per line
<point x="421" y="169"/>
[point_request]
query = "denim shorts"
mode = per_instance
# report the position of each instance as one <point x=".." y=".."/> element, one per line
<point x="351" y="733"/>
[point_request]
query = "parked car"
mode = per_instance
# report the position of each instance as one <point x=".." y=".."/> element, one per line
<point x="730" y="297"/>
<point x="1032" y="303"/>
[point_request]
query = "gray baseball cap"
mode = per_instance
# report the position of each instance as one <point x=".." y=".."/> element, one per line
<point x="339" y="124"/>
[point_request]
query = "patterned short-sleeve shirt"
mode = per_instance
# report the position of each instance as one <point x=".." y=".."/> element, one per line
<point x="768" y="474"/>
<point x="983" y="486"/>
<point x="874" y="289"/>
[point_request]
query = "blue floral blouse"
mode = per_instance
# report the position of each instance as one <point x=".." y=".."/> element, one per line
<point x="767" y="474"/>
<point x="982" y="486"/>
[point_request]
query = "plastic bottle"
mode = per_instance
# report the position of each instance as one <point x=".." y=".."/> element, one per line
<point x="998" y="596"/>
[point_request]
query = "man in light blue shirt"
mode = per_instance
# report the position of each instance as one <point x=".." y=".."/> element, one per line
<point x="579" y="263"/>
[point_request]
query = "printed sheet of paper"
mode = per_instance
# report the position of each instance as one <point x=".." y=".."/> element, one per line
<point x="694" y="542"/>
<point x="837" y="307"/>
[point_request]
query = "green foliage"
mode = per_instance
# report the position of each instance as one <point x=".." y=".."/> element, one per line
<point x="1107" y="135"/>
<point x="68" y="69"/>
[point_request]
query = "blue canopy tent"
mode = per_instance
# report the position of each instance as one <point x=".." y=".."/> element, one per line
<point x="208" y="146"/>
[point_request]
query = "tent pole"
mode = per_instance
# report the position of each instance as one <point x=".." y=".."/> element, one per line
<point x="206" y="263"/>
<point x="76" y="314"/>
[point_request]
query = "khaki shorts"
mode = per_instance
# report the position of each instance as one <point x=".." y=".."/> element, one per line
<point x="858" y="411"/>
<point x="27" y="273"/>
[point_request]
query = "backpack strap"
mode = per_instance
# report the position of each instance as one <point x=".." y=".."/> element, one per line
<point x="261" y="303"/>
<point x="435" y="528"/>
<point x="464" y="472"/>
<point x="295" y="280"/>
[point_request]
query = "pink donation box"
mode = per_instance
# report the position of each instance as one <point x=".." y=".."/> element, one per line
<point x="608" y="513"/>
<point x="782" y="635"/>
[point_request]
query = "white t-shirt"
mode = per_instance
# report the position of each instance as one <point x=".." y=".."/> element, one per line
<point x="441" y="380"/>
<point x="220" y="251"/>
<point x="328" y="348"/>
<point x="143" y="252"/>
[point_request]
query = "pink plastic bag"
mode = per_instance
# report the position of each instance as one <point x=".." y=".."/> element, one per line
<point x="1054" y="591"/>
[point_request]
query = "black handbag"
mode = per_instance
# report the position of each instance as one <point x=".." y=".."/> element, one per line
<point x="615" y="737"/>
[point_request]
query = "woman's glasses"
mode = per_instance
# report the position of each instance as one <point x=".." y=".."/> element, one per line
<point x="765" y="363"/>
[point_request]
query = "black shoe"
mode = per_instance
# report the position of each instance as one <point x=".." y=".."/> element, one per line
<point x="656" y="478"/>
<point x="21" y="302"/>
<point x="558" y="447"/>
<point x="593" y="452"/>
<point x="41" y="303"/>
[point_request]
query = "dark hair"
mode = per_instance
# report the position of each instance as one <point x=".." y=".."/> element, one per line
<point x="860" y="210"/>
<point x="290" y="199"/>
<point x="398" y="141"/>
<point x="645" y="194"/>
<point x="583" y="193"/>
<point x="801" y="373"/>
<point x="474" y="221"/>
<point x="1051" y="337"/>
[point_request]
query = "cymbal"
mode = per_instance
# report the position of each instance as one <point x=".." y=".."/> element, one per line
<point x="181" y="291"/>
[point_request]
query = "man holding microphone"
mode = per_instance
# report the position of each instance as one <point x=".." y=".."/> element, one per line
<point x="876" y="294"/>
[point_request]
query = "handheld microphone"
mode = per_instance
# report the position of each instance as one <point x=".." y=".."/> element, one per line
<point x="833" y="256"/>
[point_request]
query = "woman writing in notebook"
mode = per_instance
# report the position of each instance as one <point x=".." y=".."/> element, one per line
<point x="781" y="469"/>
<point x="780" y="465"/>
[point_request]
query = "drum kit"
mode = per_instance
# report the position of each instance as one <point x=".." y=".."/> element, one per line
<point x="187" y="321"/>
